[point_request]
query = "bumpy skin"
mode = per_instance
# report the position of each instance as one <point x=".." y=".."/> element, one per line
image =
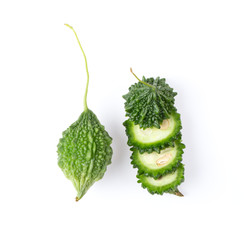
<point x="170" y="188"/>
<point x="153" y="146"/>
<point x="84" y="152"/>
<point x="148" y="106"/>
<point x="156" y="173"/>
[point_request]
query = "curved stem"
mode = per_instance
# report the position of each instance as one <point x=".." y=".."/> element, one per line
<point x="86" y="67"/>
<point x="147" y="84"/>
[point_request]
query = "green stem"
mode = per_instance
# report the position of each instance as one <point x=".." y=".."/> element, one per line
<point x="147" y="84"/>
<point x="86" y="67"/>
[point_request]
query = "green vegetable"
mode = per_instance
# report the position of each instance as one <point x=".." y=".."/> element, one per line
<point x="167" y="183"/>
<point x="154" y="139"/>
<point x="154" y="132"/>
<point x="84" y="151"/>
<point x="158" y="164"/>
<point x="149" y="102"/>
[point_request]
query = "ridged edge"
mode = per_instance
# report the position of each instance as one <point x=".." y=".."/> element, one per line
<point x="156" y="146"/>
<point x="170" y="188"/>
<point x="157" y="149"/>
<point x="156" y="173"/>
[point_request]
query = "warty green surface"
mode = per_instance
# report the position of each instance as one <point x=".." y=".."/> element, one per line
<point x="149" y="106"/>
<point x="155" y="145"/>
<point x="143" y="168"/>
<point x="159" y="187"/>
<point x="84" y="152"/>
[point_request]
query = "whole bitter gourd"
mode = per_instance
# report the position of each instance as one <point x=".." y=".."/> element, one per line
<point x="154" y="133"/>
<point x="84" y="151"/>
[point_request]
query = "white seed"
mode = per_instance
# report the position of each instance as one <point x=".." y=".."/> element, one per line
<point x="165" y="124"/>
<point x="164" y="160"/>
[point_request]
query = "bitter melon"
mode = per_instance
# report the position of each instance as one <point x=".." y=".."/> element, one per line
<point x="154" y="134"/>
<point x="154" y="138"/>
<point x="167" y="183"/>
<point x="158" y="164"/>
<point x="149" y="102"/>
<point x="84" y="151"/>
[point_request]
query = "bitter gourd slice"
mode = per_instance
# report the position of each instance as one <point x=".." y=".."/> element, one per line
<point x="154" y="138"/>
<point x="157" y="164"/>
<point x="149" y="102"/>
<point x="167" y="183"/>
<point x="84" y="151"/>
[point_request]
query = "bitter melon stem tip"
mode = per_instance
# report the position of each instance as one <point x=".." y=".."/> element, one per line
<point x="178" y="193"/>
<point x="77" y="199"/>
<point x="68" y="25"/>
<point x="147" y="84"/>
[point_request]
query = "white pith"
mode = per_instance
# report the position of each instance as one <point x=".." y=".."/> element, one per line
<point x="156" y="160"/>
<point x="165" y="180"/>
<point x="150" y="135"/>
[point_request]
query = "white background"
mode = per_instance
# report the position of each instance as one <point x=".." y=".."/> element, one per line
<point x="203" y="48"/>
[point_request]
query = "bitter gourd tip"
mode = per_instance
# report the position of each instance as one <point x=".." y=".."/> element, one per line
<point x="68" y="25"/>
<point x="178" y="193"/>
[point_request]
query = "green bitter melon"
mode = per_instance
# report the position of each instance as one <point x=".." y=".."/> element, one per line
<point x="154" y="139"/>
<point x="84" y="151"/>
<point x="166" y="183"/>
<point x="154" y="133"/>
<point x="158" y="164"/>
<point x="149" y="102"/>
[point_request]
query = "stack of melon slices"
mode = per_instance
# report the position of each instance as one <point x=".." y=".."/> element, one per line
<point x="154" y="133"/>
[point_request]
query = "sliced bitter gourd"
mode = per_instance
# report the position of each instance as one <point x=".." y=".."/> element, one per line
<point x="157" y="164"/>
<point x="154" y="139"/>
<point x="167" y="183"/>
